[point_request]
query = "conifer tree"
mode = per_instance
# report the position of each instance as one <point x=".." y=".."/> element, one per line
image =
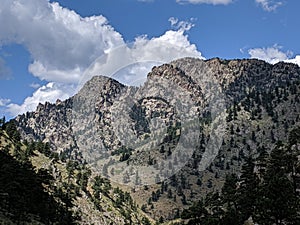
<point x="230" y="201"/>
<point x="278" y="203"/>
<point x="248" y="189"/>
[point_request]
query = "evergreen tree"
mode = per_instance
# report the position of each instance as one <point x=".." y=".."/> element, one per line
<point x="261" y="161"/>
<point x="101" y="185"/>
<point x="248" y="189"/>
<point x="294" y="153"/>
<point x="229" y="191"/>
<point x="196" y="212"/>
<point x="11" y="130"/>
<point x="230" y="201"/>
<point x="294" y="136"/>
<point x="278" y="203"/>
<point x="213" y="203"/>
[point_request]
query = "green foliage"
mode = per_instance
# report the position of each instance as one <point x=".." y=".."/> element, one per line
<point x="124" y="153"/>
<point x="248" y="189"/>
<point x="11" y="129"/>
<point x="265" y="191"/>
<point x="25" y="194"/>
<point x="146" y="221"/>
<point x="122" y="198"/>
<point x="294" y="136"/>
<point x="230" y="200"/>
<point x="101" y="185"/>
<point x="196" y="211"/>
<point x="82" y="177"/>
<point x="31" y="195"/>
<point x="278" y="202"/>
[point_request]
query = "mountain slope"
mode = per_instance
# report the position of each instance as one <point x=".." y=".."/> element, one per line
<point x="118" y="130"/>
<point x="38" y="188"/>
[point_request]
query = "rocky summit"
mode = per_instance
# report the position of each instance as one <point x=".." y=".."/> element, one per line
<point x="173" y="141"/>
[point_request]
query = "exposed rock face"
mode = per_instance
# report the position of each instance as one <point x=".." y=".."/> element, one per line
<point x="140" y="126"/>
<point x="49" y="123"/>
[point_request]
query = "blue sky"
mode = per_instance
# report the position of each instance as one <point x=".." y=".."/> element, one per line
<point x="47" y="48"/>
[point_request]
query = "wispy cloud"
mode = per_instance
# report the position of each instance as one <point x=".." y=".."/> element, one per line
<point x="213" y="2"/>
<point x="269" y="5"/>
<point x="184" y="25"/>
<point x="34" y="85"/>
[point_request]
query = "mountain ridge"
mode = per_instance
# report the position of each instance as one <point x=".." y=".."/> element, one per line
<point x="260" y="100"/>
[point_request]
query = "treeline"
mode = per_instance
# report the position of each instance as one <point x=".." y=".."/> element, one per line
<point x="266" y="192"/>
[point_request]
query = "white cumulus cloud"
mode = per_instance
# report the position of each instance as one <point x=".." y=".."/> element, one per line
<point x="270" y="54"/>
<point x="65" y="47"/>
<point x="61" y="43"/>
<point x="173" y="44"/>
<point x="213" y="2"/>
<point x="273" y="55"/>
<point x="269" y="5"/>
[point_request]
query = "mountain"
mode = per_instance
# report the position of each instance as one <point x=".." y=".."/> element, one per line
<point x="39" y="188"/>
<point x="175" y="139"/>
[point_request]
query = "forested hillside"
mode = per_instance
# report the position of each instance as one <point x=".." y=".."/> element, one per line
<point x="250" y="174"/>
<point x="267" y="191"/>
<point x="37" y="187"/>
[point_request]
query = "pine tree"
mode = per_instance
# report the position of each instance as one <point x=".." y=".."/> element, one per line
<point x="261" y="161"/>
<point x="230" y="200"/>
<point x="11" y="129"/>
<point x="248" y="189"/>
<point x="278" y="203"/>
<point x="229" y="191"/>
<point x="294" y="136"/>
<point x="294" y="153"/>
<point x="214" y="205"/>
<point x="196" y="212"/>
